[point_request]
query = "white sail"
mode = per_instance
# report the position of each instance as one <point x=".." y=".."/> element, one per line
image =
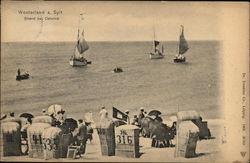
<point x="77" y="55"/>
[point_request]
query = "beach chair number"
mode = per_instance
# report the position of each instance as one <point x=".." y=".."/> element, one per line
<point x="48" y="145"/>
<point x="37" y="138"/>
<point x="123" y="138"/>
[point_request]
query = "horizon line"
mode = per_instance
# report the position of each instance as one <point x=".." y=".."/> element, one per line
<point x="107" y="41"/>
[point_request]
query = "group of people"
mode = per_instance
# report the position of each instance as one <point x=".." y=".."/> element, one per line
<point x="80" y="131"/>
<point x="136" y="120"/>
<point x="82" y="134"/>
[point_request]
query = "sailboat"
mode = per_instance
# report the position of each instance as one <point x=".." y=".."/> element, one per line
<point x="81" y="46"/>
<point x="183" y="47"/>
<point x="156" y="52"/>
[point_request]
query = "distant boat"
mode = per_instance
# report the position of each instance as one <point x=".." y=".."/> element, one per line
<point x="81" y="46"/>
<point x="156" y="52"/>
<point x="118" y="70"/>
<point x="183" y="47"/>
<point x="22" y="76"/>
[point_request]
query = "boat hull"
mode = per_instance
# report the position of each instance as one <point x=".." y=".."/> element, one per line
<point x="117" y="70"/>
<point x="22" y="77"/>
<point x="78" y="63"/>
<point x="179" y="60"/>
<point x="155" y="56"/>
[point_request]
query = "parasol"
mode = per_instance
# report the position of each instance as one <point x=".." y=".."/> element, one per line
<point x="154" y="112"/>
<point x="71" y="124"/>
<point x="28" y="116"/>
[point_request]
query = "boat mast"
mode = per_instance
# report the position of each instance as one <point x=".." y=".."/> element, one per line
<point x="78" y="32"/>
<point x="154" y="38"/>
<point x="80" y="18"/>
<point x="180" y="39"/>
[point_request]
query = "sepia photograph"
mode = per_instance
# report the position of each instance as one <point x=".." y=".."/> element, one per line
<point x="124" y="81"/>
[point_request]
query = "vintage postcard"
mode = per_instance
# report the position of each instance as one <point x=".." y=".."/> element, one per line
<point x="92" y="81"/>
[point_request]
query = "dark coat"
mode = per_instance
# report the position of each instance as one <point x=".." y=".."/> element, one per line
<point x="82" y="132"/>
<point x="140" y="117"/>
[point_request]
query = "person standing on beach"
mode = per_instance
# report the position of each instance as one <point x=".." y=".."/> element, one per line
<point x="128" y="119"/>
<point x="140" y="116"/>
<point x="103" y="112"/>
<point x="81" y="137"/>
<point x="89" y="131"/>
<point x="135" y="120"/>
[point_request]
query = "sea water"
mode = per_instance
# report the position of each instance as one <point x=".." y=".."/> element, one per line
<point x="153" y="84"/>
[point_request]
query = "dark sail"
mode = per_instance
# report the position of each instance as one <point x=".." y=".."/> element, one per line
<point x="156" y="43"/>
<point x="82" y="45"/>
<point x="183" y="45"/>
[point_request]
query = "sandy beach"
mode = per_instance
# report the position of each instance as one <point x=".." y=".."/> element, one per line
<point x="206" y="150"/>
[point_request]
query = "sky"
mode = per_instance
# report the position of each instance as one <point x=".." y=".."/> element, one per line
<point x="112" y="21"/>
